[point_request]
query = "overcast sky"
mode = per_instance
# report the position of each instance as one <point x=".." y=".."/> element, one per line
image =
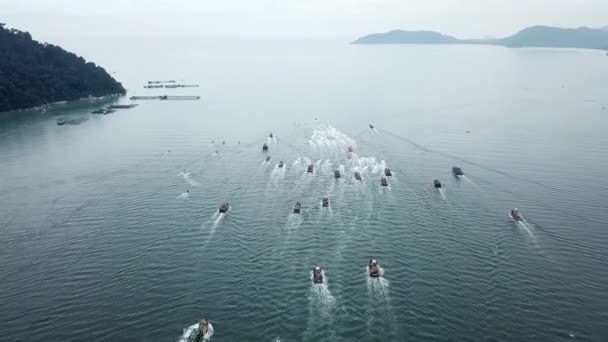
<point x="348" y="19"/>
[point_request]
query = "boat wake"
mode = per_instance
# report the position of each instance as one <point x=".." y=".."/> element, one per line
<point x="183" y="196"/>
<point x="187" y="333"/>
<point x="377" y="288"/>
<point x="213" y="223"/>
<point x="327" y="138"/>
<point x="442" y="194"/>
<point x="321" y="299"/>
<point x="470" y="181"/>
<point x="525" y="226"/>
<point x="188" y="179"/>
<point x="294" y="220"/>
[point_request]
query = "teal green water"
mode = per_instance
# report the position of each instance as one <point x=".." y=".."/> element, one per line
<point x="100" y="242"/>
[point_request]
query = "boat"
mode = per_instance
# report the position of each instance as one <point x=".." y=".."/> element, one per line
<point x="270" y="135"/>
<point x="224" y="207"/>
<point x="61" y="122"/>
<point x="310" y="168"/>
<point x="357" y="175"/>
<point x="373" y="268"/>
<point x="202" y="333"/>
<point x="371" y="126"/>
<point x="317" y="275"/>
<point x="325" y="201"/>
<point x="383" y="181"/>
<point x="281" y="164"/>
<point x="265" y="147"/>
<point x="100" y="111"/>
<point x="437" y="184"/>
<point x="350" y="149"/>
<point x="457" y="171"/>
<point x="297" y="208"/>
<point x="268" y="158"/>
<point x="516" y="215"/>
<point x="387" y="172"/>
<point x="337" y="174"/>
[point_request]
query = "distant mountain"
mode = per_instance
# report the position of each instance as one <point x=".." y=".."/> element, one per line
<point x="33" y="74"/>
<point x="546" y="36"/>
<point x="535" y="36"/>
<point x="406" y="37"/>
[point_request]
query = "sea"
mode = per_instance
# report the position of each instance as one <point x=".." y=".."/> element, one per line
<point x="110" y="231"/>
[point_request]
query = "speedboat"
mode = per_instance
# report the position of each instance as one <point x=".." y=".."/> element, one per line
<point x="310" y="168"/>
<point x="371" y="126"/>
<point x="224" y="207"/>
<point x="457" y="171"/>
<point x="325" y="201"/>
<point x="373" y="268"/>
<point x="350" y="149"/>
<point x="61" y="122"/>
<point x="516" y="215"/>
<point x="281" y="164"/>
<point x="270" y="135"/>
<point x="203" y="332"/>
<point x="337" y="174"/>
<point x="317" y="275"/>
<point x="383" y="181"/>
<point x="387" y="172"/>
<point x="357" y="175"/>
<point x="437" y="184"/>
<point x="268" y="158"/>
<point x="297" y="208"/>
<point x="265" y="147"/>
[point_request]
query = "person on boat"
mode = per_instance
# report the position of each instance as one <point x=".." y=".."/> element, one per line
<point x="203" y="326"/>
<point x="188" y="191"/>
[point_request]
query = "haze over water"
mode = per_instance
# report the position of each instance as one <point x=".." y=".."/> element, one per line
<point x="100" y="241"/>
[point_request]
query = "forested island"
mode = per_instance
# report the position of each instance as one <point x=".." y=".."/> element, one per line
<point x="33" y="74"/>
<point x="534" y="36"/>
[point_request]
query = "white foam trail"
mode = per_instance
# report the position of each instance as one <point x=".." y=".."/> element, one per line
<point x="327" y="138"/>
<point x="321" y="298"/>
<point x="377" y="288"/>
<point x="524" y="225"/>
<point x="442" y="194"/>
<point x="183" y="196"/>
<point x="215" y="221"/>
<point x="470" y="181"/>
<point x="187" y="333"/>
<point x="294" y="220"/>
<point x="188" y="179"/>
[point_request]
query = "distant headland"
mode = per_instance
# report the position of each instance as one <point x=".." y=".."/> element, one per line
<point x="34" y="74"/>
<point x="534" y="36"/>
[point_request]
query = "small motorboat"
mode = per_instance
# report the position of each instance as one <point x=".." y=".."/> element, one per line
<point x="317" y="275"/>
<point x="383" y="181"/>
<point x="203" y="331"/>
<point x="516" y="215"/>
<point x="388" y="172"/>
<point x="374" y="269"/>
<point x="281" y="164"/>
<point x="297" y="208"/>
<point x="325" y="201"/>
<point x="437" y="184"/>
<point x="265" y="147"/>
<point x="268" y="158"/>
<point x="350" y="149"/>
<point x="337" y="174"/>
<point x="224" y="207"/>
<point x="270" y="135"/>
<point x="357" y="175"/>
<point x="61" y="122"/>
<point x="457" y="171"/>
<point x="310" y="168"/>
<point x="371" y="126"/>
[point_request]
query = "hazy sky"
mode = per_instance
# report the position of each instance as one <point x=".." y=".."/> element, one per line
<point x="348" y="19"/>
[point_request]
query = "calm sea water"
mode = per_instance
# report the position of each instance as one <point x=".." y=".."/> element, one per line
<point x="99" y="240"/>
